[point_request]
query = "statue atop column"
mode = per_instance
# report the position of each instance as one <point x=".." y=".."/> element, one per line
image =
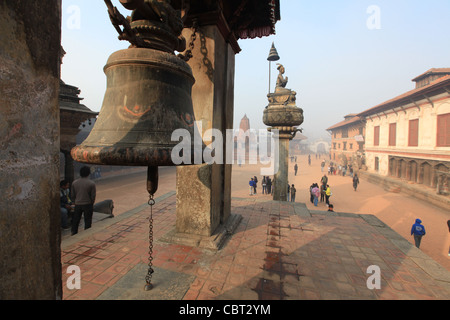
<point x="283" y="118"/>
<point x="281" y="80"/>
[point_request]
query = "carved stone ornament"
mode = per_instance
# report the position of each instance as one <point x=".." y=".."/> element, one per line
<point x="282" y="113"/>
<point x="153" y="24"/>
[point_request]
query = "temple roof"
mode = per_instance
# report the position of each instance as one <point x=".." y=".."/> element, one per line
<point x="349" y="119"/>
<point x="250" y="19"/>
<point x="432" y="71"/>
<point x="436" y="87"/>
<point x="246" y="19"/>
<point x="70" y="101"/>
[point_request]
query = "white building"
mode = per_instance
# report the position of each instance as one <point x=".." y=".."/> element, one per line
<point x="408" y="137"/>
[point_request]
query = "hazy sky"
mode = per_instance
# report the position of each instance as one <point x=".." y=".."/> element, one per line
<point x="340" y="57"/>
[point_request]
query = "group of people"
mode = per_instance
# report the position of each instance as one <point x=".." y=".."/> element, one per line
<point x="323" y="191"/>
<point x="267" y="187"/>
<point x="337" y="169"/>
<point x="77" y="200"/>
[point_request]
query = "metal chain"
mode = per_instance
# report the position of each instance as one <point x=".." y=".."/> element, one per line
<point x="150" y="271"/>
<point x="188" y="53"/>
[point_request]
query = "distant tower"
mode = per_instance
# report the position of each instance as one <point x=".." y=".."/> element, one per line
<point x="245" y="123"/>
<point x="242" y="139"/>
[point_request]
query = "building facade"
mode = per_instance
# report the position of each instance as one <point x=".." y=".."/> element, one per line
<point x="408" y="137"/>
<point x="347" y="139"/>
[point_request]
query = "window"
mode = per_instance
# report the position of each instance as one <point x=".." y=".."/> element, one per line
<point x="392" y="134"/>
<point x="351" y="146"/>
<point x="377" y="163"/>
<point x="376" y="136"/>
<point x="443" y="130"/>
<point x="413" y="134"/>
<point x="344" y="146"/>
<point x="334" y="145"/>
<point x="345" y="133"/>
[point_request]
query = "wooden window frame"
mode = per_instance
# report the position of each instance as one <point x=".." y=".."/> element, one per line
<point x="376" y="135"/>
<point x="443" y="130"/>
<point x="392" y="134"/>
<point x="413" y="133"/>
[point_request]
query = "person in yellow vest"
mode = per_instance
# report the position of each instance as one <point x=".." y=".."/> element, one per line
<point x="327" y="195"/>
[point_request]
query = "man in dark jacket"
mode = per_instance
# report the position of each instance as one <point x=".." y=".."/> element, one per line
<point x="418" y="230"/>
<point x="355" y="181"/>
<point x="83" y="195"/>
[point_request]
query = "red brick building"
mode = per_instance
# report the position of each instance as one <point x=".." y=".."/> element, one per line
<point x="347" y="139"/>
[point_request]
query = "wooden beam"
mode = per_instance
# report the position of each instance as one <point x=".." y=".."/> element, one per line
<point x="415" y="103"/>
<point x="429" y="100"/>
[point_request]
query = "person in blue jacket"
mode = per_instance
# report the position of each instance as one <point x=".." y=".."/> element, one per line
<point x="418" y="230"/>
<point x="252" y="185"/>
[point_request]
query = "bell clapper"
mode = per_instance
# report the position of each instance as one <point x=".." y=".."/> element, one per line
<point x="152" y="186"/>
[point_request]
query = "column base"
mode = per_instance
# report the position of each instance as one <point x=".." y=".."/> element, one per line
<point x="214" y="242"/>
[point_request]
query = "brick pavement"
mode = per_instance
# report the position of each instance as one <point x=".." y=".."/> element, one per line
<point x="279" y="251"/>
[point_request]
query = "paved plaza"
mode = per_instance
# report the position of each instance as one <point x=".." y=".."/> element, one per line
<point x="279" y="251"/>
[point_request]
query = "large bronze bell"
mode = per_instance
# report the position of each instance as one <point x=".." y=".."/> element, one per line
<point x="148" y="96"/>
<point x="148" y="93"/>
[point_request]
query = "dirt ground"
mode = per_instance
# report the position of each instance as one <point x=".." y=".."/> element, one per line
<point x="397" y="210"/>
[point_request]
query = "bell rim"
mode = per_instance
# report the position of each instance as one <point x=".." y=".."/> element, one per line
<point x="126" y="156"/>
<point x="140" y="56"/>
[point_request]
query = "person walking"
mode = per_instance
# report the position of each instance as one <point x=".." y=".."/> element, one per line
<point x="295" y="169"/>
<point x="448" y="225"/>
<point x="66" y="205"/>
<point x="269" y="185"/>
<point x="355" y="181"/>
<point x="264" y="185"/>
<point x="83" y="195"/>
<point x="315" y="192"/>
<point x="418" y="231"/>
<point x="322" y="193"/>
<point x="251" y="183"/>
<point x="309" y="159"/>
<point x="293" y="191"/>
<point x="311" y="193"/>
<point x="324" y="181"/>
<point x="256" y="181"/>
<point x="322" y="165"/>
<point x="288" y="191"/>
<point x="327" y="195"/>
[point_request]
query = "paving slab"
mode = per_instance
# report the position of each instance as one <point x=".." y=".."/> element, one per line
<point x="278" y="251"/>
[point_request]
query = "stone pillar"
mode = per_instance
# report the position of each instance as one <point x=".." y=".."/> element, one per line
<point x="440" y="179"/>
<point x="433" y="179"/>
<point x="283" y="115"/>
<point x="204" y="190"/>
<point x="398" y="168"/>
<point x="281" y="176"/>
<point x="30" y="219"/>
<point x="420" y="174"/>
<point x="408" y="171"/>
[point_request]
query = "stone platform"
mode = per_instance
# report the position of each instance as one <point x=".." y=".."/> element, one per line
<point x="278" y="251"/>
